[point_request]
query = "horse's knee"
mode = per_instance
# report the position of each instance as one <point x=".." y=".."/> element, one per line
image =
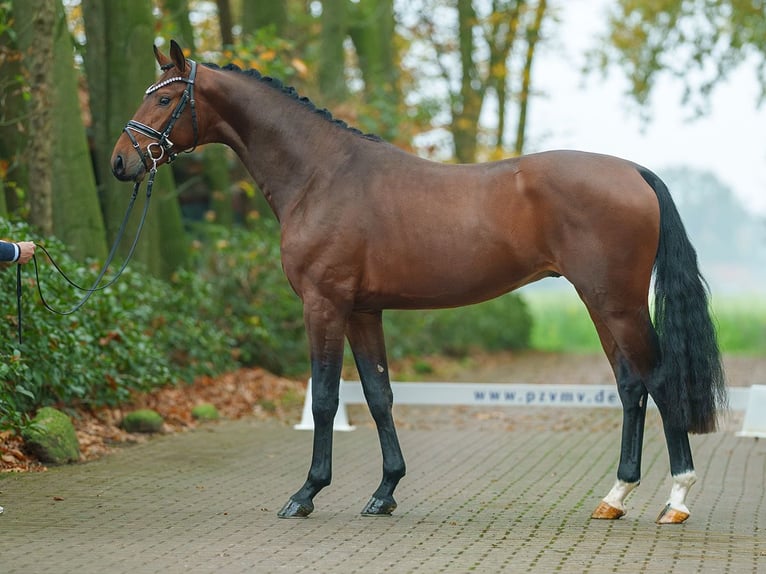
<point x="380" y="409"/>
<point x="324" y="410"/>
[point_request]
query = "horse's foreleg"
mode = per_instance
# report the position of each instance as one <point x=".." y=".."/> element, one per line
<point x="633" y="395"/>
<point x="325" y="330"/>
<point x="365" y="335"/>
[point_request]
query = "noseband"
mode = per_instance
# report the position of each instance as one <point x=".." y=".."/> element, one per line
<point x="163" y="143"/>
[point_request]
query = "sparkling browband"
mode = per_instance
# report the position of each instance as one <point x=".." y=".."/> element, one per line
<point x="155" y="87"/>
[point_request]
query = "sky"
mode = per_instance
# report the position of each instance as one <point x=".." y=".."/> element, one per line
<point x="592" y="113"/>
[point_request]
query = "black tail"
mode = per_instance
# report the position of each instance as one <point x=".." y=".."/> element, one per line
<point x="689" y="377"/>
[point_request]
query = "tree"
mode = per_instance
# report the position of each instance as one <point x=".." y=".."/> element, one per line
<point x="77" y="218"/>
<point x="371" y="28"/>
<point x="63" y="193"/>
<point x="34" y="24"/>
<point x="13" y="112"/>
<point x="178" y="11"/>
<point x="494" y="52"/>
<point x="532" y="36"/>
<point x="502" y="29"/>
<point x="467" y="104"/>
<point x="699" y="41"/>
<point x="225" y="22"/>
<point x="332" y="54"/>
<point x="261" y="13"/>
<point x="118" y="71"/>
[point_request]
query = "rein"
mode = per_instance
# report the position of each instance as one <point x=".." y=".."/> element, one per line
<point x="96" y="287"/>
<point x="164" y="146"/>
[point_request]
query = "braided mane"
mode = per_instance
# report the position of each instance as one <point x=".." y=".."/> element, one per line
<point x="277" y="84"/>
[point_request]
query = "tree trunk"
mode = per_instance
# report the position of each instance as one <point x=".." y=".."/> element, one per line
<point x="260" y="13"/>
<point x="533" y="35"/>
<point x="467" y="108"/>
<point x="3" y="204"/>
<point x="77" y="218"/>
<point x="225" y="22"/>
<point x="13" y="113"/>
<point x="503" y="38"/>
<point x="35" y="23"/>
<point x="372" y="32"/>
<point x="118" y="72"/>
<point x="332" y="55"/>
<point x="178" y="10"/>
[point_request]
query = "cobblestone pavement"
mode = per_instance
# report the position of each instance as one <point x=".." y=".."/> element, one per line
<point x="476" y="498"/>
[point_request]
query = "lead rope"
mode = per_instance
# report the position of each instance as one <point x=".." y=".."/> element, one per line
<point x="107" y="263"/>
<point x="18" y="299"/>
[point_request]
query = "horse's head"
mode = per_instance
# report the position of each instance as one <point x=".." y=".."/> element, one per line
<point x="166" y="122"/>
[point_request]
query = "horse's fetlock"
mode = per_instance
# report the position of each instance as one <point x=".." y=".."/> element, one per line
<point x="319" y="481"/>
<point x="395" y="472"/>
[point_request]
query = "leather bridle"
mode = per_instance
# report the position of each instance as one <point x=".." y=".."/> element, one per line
<point x="163" y="143"/>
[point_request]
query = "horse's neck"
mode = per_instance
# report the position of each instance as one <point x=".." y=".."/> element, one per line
<point x="281" y="143"/>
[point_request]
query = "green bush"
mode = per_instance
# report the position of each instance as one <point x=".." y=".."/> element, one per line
<point x="134" y="336"/>
<point x="496" y="325"/>
<point x="251" y="299"/>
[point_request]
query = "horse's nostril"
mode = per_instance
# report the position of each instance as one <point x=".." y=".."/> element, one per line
<point x="119" y="166"/>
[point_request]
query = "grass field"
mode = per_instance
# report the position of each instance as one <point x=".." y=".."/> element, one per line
<point x="561" y="322"/>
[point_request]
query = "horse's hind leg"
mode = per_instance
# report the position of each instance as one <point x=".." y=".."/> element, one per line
<point x="629" y="340"/>
<point x="365" y="335"/>
<point x="681" y="467"/>
<point x="633" y="396"/>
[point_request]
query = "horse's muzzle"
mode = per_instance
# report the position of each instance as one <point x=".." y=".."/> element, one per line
<point x="122" y="171"/>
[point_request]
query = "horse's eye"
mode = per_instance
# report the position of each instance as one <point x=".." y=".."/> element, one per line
<point x="164" y="101"/>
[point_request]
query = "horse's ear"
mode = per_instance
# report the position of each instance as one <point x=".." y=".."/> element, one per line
<point x="177" y="55"/>
<point x="162" y="59"/>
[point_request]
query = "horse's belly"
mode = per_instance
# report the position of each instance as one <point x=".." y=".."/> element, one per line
<point x="445" y="281"/>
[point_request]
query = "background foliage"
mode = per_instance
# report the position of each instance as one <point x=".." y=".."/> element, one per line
<point x="209" y="296"/>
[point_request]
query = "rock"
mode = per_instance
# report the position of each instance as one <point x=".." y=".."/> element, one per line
<point x="205" y="412"/>
<point x="143" y="421"/>
<point x="52" y="438"/>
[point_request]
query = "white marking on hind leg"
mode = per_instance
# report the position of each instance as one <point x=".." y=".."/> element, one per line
<point x="618" y="494"/>
<point x="681" y="485"/>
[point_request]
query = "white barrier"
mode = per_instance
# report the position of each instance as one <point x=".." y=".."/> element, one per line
<point x="487" y="394"/>
<point x="754" y="424"/>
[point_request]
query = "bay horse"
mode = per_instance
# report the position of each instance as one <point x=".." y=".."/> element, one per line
<point x="366" y="226"/>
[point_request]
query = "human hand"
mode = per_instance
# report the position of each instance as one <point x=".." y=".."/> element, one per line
<point x="26" y="250"/>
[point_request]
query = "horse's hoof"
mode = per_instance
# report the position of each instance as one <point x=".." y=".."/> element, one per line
<point x="670" y="515"/>
<point x="379" y="507"/>
<point x="606" y="511"/>
<point x="295" y="509"/>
